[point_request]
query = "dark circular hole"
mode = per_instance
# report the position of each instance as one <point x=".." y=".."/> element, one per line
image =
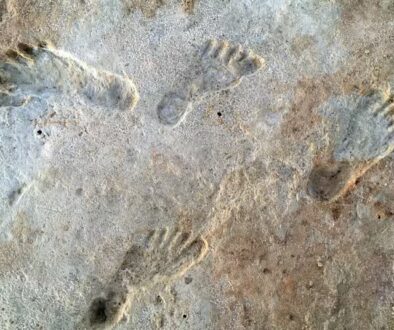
<point x="184" y="316"/>
<point x="266" y="271"/>
<point x="159" y="300"/>
<point x="39" y="132"/>
<point x="291" y="317"/>
<point x="219" y="114"/>
<point x="98" y="311"/>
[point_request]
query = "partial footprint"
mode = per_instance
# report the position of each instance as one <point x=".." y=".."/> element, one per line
<point x="369" y="133"/>
<point x="225" y="65"/>
<point x="173" y="107"/>
<point x="45" y="72"/>
<point x="108" y="310"/>
<point x="366" y="138"/>
<point x="328" y="181"/>
<point x="222" y="67"/>
<point x="164" y="256"/>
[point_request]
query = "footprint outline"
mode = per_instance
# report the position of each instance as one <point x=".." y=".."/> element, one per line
<point x="223" y="66"/>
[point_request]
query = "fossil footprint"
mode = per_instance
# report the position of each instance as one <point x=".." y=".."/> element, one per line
<point x="42" y="71"/>
<point x="366" y="139"/>
<point x="164" y="256"/>
<point x="222" y="66"/>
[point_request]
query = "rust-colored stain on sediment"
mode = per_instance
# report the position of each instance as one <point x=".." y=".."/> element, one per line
<point x="188" y="6"/>
<point x="149" y="8"/>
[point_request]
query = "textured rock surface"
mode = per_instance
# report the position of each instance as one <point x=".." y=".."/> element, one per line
<point x="210" y="164"/>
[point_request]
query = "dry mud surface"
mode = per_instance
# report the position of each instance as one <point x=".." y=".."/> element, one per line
<point x="197" y="164"/>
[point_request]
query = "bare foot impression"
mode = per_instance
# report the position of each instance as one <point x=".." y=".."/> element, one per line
<point x="222" y="66"/>
<point x="365" y="140"/>
<point x="43" y="71"/>
<point x="34" y="80"/>
<point x="164" y="256"/>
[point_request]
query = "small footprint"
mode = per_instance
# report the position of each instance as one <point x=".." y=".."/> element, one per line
<point x="42" y="71"/>
<point x="222" y="66"/>
<point x="164" y="256"/>
<point x="365" y="140"/>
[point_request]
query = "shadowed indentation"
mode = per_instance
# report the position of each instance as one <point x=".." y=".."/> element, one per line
<point x="328" y="180"/>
